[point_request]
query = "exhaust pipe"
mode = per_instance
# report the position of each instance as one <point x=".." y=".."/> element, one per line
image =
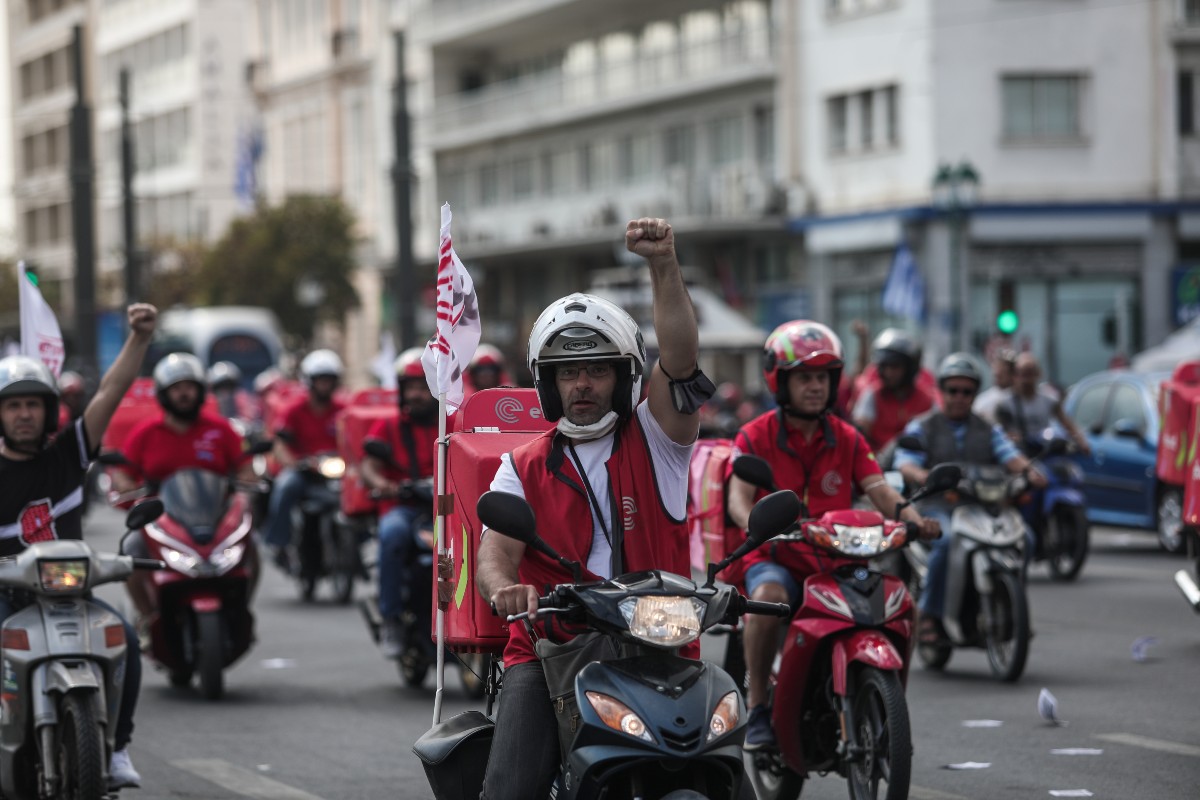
<point x="1188" y="586"/>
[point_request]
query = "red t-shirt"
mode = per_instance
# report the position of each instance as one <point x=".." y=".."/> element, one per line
<point x="424" y="442"/>
<point x="308" y="433"/>
<point x="155" y="451"/>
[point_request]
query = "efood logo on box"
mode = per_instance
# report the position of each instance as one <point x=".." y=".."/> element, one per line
<point x="510" y="409"/>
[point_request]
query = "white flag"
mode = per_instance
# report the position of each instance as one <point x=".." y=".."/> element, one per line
<point x="40" y="335"/>
<point x="458" y="326"/>
<point x="384" y="365"/>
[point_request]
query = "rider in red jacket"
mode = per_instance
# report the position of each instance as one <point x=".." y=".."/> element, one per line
<point x="897" y="397"/>
<point x="817" y="455"/>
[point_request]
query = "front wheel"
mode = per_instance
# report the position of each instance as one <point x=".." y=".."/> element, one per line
<point x="210" y="655"/>
<point x="1006" y="626"/>
<point x="883" y="736"/>
<point x="1169" y="518"/>
<point x="1066" y="542"/>
<point x="345" y="567"/>
<point x="79" y="750"/>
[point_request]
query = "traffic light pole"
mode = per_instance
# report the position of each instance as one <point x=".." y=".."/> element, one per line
<point x="82" y="215"/>
<point x="132" y="287"/>
<point x="406" y="284"/>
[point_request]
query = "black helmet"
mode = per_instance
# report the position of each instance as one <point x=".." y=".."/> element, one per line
<point x="959" y="365"/>
<point x="22" y="376"/>
<point x="897" y="346"/>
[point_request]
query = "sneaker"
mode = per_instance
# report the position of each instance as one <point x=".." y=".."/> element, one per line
<point x="281" y="558"/>
<point x="759" y="734"/>
<point x="121" y="774"/>
<point x="391" y="638"/>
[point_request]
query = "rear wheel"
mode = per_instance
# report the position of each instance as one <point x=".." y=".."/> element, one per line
<point x="345" y="568"/>
<point x="474" y="674"/>
<point x="180" y="678"/>
<point x="79" y="750"/>
<point x="1170" y="520"/>
<point x="770" y="778"/>
<point x="210" y="654"/>
<point x="1066" y="542"/>
<point x="1006" y="627"/>
<point x="882" y="731"/>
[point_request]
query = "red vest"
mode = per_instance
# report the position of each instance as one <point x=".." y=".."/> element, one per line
<point x="424" y="439"/>
<point x="825" y="484"/>
<point x="892" y="414"/>
<point x="652" y="538"/>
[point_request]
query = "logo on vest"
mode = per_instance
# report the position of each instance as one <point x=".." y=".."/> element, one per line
<point x="37" y="523"/>
<point x="831" y="483"/>
<point x="629" y="508"/>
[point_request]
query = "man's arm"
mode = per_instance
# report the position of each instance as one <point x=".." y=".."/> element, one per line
<point x="372" y="470"/>
<point x="1081" y="440"/>
<point x="497" y="579"/>
<point x="739" y="497"/>
<point x="674" y="322"/>
<point x="143" y="318"/>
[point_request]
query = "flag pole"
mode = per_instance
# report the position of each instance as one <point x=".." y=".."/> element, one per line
<point x="439" y="529"/>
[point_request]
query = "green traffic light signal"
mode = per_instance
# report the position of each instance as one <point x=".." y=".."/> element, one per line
<point x="1008" y="321"/>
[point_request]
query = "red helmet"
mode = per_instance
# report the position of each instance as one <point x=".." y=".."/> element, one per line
<point x="408" y="364"/>
<point x="486" y="355"/>
<point x="801" y="344"/>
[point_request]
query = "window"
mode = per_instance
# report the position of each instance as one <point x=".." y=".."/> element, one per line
<point x="1191" y="11"/>
<point x="1089" y="410"/>
<point x="1185" y="97"/>
<point x="727" y="145"/>
<point x="838" y="127"/>
<point x="587" y="165"/>
<point x="891" y="115"/>
<point x="489" y="185"/>
<point x="1126" y="407"/>
<point x="679" y="146"/>
<point x="1043" y="107"/>
<point x="522" y="178"/>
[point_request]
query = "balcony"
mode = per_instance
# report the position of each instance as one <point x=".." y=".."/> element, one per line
<point x="567" y="95"/>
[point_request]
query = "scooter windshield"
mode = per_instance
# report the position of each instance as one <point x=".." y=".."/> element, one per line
<point x="195" y="498"/>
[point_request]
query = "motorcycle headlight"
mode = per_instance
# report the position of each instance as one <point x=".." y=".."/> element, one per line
<point x="618" y="716"/>
<point x="63" y="576"/>
<point x="866" y="541"/>
<point x="332" y="467"/>
<point x="227" y="558"/>
<point x="187" y="563"/>
<point x="663" y="621"/>
<point x="989" y="491"/>
<point x="724" y="717"/>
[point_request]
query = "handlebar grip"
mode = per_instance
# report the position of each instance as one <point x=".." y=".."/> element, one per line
<point x="771" y="609"/>
<point x="148" y="563"/>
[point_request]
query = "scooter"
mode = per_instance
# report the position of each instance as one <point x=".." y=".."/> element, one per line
<point x="986" y="603"/>
<point x="325" y="547"/>
<point x="647" y="723"/>
<point x="64" y="666"/>
<point x="838" y="700"/>
<point x="204" y="623"/>
<point x="420" y="653"/>
<point x="1058" y="514"/>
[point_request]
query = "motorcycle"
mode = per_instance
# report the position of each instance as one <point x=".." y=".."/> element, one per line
<point x="646" y="723"/>
<point x="420" y="653"/>
<point x="838" y="700"/>
<point x="1186" y="583"/>
<point x="64" y="666"/>
<point x="325" y="547"/>
<point x="986" y="603"/>
<point x="1058" y="514"/>
<point x="204" y="623"/>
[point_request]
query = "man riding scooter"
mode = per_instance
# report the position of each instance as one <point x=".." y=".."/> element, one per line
<point x="952" y="435"/>
<point x="883" y="409"/>
<point x="411" y="437"/>
<point x="307" y="428"/>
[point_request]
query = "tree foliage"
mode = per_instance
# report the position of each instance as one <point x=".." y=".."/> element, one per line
<point x="267" y="258"/>
<point x="173" y="273"/>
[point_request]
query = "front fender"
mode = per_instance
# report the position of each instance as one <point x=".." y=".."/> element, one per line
<point x="867" y="647"/>
<point x="1062" y="495"/>
<point x="52" y="679"/>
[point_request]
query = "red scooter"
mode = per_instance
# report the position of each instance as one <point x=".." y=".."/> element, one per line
<point x="204" y="622"/>
<point x="838" y="687"/>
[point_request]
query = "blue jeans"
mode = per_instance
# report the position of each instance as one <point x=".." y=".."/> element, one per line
<point x="770" y="572"/>
<point x="286" y="494"/>
<point x="933" y="597"/>
<point x="397" y="551"/>
<point x="133" y="670"/>
<point x="524" y="759"/>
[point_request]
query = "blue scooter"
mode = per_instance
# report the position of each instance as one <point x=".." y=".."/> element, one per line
<point x="1058" y="513"/>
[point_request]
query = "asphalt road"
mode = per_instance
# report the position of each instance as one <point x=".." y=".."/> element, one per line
<point x="314" y="713"/>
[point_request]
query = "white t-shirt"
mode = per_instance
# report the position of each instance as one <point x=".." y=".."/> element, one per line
<point x="670" y="461"/>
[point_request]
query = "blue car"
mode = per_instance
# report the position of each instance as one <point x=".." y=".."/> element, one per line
<point x="1118" y="410"/>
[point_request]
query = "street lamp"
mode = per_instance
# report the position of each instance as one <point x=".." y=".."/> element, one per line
<point x="955" y="190"/>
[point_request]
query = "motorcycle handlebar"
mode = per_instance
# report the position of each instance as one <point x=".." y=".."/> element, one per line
<point x="770" y="609"/>
<point x="148" y="563"/>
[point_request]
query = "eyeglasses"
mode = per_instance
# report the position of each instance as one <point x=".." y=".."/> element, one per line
<point x="595" y="370"/>
<point x="959" y="391"/>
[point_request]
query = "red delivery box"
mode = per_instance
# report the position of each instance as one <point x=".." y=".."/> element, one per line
<point x="1176" y="444"/>
<point x="490" y="423"/>
<point x="138" y="404"/>
<point x="711" y="538"/>
<point x="353" y="424"/>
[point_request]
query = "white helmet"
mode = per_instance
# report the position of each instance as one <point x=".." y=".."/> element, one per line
<point x="583" y="327"/>
<point x="320" y="362"/>
<point x="178" y="367"/>
<point x="22" y="375"/>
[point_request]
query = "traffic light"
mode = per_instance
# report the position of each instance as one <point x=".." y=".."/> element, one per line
<point x="31" y="273"/>
<point x="1007" y="321"/>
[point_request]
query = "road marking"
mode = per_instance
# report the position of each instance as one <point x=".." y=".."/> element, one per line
<point x="925" y="793"/>
<point x="1133" y="740"/>
<point x="244" y="782"/>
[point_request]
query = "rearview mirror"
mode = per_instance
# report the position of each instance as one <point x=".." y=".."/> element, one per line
<point x="772" y="515"/>
<point x="1056" y="447"/>
<point x="910" y="442"/>
<point x="261" y="447"/>
<point x="507" y="514"/>
<point x="380" y="450"/>
<point x="112" y="458"/>
<point x="943" y="477"/>
<point x="143" y="514"/>
<point x="754" y="471"/>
